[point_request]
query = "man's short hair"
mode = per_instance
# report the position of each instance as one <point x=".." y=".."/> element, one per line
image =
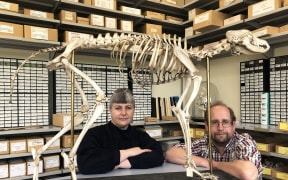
<point x="220" y="103"/>
<point x="122" y="95"/>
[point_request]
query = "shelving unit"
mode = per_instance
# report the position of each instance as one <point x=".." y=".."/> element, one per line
<point x="277" y="17"/>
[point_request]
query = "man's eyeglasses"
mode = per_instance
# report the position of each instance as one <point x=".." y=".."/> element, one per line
<point x="224" y="124"/>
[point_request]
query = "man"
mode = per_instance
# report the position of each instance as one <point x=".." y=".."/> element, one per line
<point x="117" y="144"/>
<point x="233" y="153"/>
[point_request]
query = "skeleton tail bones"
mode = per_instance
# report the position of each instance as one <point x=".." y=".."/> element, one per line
<point x="166" y="58"/>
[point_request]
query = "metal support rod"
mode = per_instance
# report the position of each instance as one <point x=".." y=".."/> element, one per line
<point x="208" y="114"/>
<point x="72" y="99"/>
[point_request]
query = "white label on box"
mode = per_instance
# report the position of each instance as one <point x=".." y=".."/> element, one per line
<point x="97" y="20"/>
<point x="30" y="167"/>
<point x="4" y="171"/>
<point x="3" y="146"/>
<point x="263" y="7"/>
<point x="68" y="15"/>
<point x="131" y="10"/>
<point x="6" y="29"/>
<point x="154" y="132"/>
<point x="109" y="4"/>
<point x="51" y="162"/>
<point x="35" y="142"/>
<point x="38" y="14"/>
<point x="4" y="5"/>
<point x="72" y="35"/>
<point x="202" y="18"/>
<point x="110" y="22"/>
<point x="127" y="26"/>
<point x="18" y="146"/>
<point x="39" y="33"/>
<point x="18" y="169"/>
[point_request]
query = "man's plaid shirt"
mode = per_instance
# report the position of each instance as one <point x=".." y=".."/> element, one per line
<point x="240" y="147"/>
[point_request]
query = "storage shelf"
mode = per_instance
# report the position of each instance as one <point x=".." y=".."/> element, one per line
<point x="18" y="18"/>
<point x="8" y="156"/>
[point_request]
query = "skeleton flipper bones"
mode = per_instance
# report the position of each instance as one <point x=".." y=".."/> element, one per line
<point x="165" y="58"/>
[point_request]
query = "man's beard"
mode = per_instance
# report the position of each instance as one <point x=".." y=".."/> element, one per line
<point x="221" y="142"/>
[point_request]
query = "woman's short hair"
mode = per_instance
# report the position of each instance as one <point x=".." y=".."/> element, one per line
<point x="220" y="103"/>
<point x="122" y="95"/>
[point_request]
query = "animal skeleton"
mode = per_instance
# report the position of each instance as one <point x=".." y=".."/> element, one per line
<point x="168" y="62"/>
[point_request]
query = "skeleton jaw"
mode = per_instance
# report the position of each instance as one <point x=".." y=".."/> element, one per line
<point x="246" y="42"/>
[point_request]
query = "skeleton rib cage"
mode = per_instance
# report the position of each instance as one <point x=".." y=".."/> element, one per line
<point x="166" y="60"/>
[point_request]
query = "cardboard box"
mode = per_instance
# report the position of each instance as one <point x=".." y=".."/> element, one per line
<point x="175" y="132"/>
<point x="88" y="2"/>
<point x="34" y="142"/>
<point x="267" y="171"/>
<point x="280" y="173"/>
<point x="9" y="6"/>
<point x="61" y="120"/>
<point x="154" y="131"/>
<point x="66" y="140"/>
<point x="263" y="7"/>
<point x="192" y="132"/>
<point x="189" y="31"/>
<point x="187" y="1"/>
<point x="17" y="146"/>
<point x="96" y="20"/>
<point x="54" y="145"/>
<point x="266" y="147"/>
<point x="30" y="166"/>
<point x="173" y="19"/>
<point x="82" y="20"/>
<point x="39" y="14"/>
<point x="51" y="162"/>
<point x="282" y="149"/>
<point x="67" y="16"/>
<point x="199" y="133"/>
<point x="266" y="31"/>
<point x="285" y="3"/>
<point x="209" y="20"/>
<point x="224" y="3"/>
<point x="130" y="10"/>
<point x="17" y="167"/>
<point x="126" y="25"/>
<point x="234" y="19"/>
<point x="174" y="2"/>
<point x="110" y="22"/>
<point x="154" y="15"/>
<point x="11" y="29"/>
<point x="4" y="169"/>
<point x="194" y="12"/>
<point x="108" y="4"/>
<point x="283" y="126"/>
<point x="151" y="29"/>
<point x="4" y="146"/>
<point x="283" y="29"/>
<point x="68" y="36"/>
<point x="40" y="33"/>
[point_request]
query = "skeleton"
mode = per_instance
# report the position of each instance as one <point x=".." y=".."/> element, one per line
<point x="168" y="62"/>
